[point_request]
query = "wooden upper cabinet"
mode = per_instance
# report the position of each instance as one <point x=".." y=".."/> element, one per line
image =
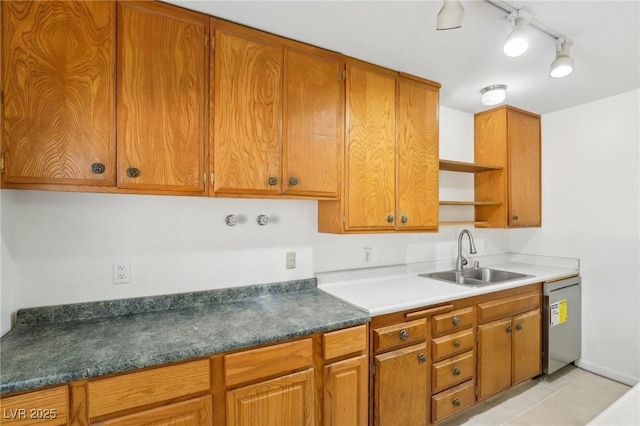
<point x="370" y="154"/>
<point x="59" y="96"/>
<point x="246" y="110"/>
<point x="417" y="162"/>
<point x="162" y="97"/>
<point x="511" y="138"/>
<point x="313" y="123"/>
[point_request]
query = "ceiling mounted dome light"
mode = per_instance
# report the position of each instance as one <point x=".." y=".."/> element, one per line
<point x="562" y="66"/>
<point x="494" y="95"/>
<point x="450" y="15"/>
<point x="517" y="42"/>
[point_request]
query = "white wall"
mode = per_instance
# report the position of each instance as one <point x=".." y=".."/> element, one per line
<point x="60" y="247"/>
<point x="591" y="210"/>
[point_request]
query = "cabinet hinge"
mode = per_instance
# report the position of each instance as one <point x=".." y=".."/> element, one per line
<point x="213" y="41"/>
<point x="373" y="369"/>
<point x="344" y="74"/>
<point x="2" y="164"/>
<point x="213" y="178"/>
<point x="206" y="38"/>
<point x="344" y="218"/>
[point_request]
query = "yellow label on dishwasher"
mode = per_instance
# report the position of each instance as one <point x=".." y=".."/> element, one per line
<point x="558" y="312"/>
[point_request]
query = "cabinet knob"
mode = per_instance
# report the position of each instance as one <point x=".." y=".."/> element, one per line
<point x="515" y="217"/>
<point x="456" y="343"/>
<point x="405" y="219"/>
<point x="404" y="334"/>
<point x="508" y="329"/>
<point x="455" y="320"/>
<point x="422" y="358"/>
<point x="97" y="168"/>
<point x="518" y="326"/>
<point x="455" y="371"/>
<point x="231" y="220"/>
<point x="262" y="220"/>
<point x="132" y="172"/>
<point x="390" y="218"/>
<point x="273" y="180"/>
<point x="455" y="402"/>
<point x="293" y="181"/>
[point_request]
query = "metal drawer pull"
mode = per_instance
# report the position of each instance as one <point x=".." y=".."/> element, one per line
<point x="293" y="181"/>
<point x="456" y="343"/>
<point x="404" y="334"/>
<point x="97" y="168"/>
<point x="456" y="371"/>
<point x="390" y="218"/>
<point x="456" y="402"/>
<point x="273" y="181"/>
<point x="508" y="329"/>
<point x="422" y="358"/>
<point x="518" y="326"/>
<point x="455" y="320"/>
<point x="405" y="219"/>
<point x="132" y="172"/>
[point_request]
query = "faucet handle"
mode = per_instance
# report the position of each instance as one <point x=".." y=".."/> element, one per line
<point x="464" y="261"/>
<point x="476" y="264"/>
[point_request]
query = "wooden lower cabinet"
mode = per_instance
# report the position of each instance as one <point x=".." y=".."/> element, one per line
<point x="452" y="401"/>
<point x="48" y="407"/>
<point x="345" y="392"/>
<point x="194" y="412"/>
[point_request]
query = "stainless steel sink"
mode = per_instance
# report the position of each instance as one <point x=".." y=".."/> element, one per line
<point x="475" y="276"/>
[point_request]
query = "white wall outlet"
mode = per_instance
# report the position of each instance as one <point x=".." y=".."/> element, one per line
<point x="367" y="255"/>
<point x="291" y="260"/>
<point x="121" y="271"/>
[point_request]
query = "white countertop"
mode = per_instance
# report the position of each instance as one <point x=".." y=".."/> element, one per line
<point x="396" y="288"/>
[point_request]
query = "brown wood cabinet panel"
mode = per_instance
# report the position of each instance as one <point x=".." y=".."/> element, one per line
<point x="273" y="360"/>
<point x="344" y="342"/>
<point x="118" y="393"/>
<point x="452" y="344"/>
<point x="47" y="407"/>
<point x="162" y="103"/>
<point x="508" y="306"/>
<point x="452" y="401"/>
<point x="527" y="347"/>
<point x="247" y="111"/>
<point x="346" y="392"/>
<point x="59" y="93"/>
<point x="417" y="156"/>
<point x="385" y="338"/>
<point x="193" y="412"/>
<point x="285" y="401"/>
<point x="370" y="158"/>
<point x="452" y="371"/>
<point x="313" y="122"/>
<point x="453" y="321"/>
<point x="494" y="357"/>
<point x="401" y="387"/>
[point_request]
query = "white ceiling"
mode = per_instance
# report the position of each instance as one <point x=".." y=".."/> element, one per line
<point x="401" y="35"/>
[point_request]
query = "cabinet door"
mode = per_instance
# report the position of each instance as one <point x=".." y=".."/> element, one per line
<point x="313" y="124"/>
<point x="401" y="387"/>
<point x="162" y="93"/>
<point x="494" y="357"/>
<point x="417" y="157"/>
<point x="524" y="169"/>
<point x="247" y="111"/>
<point x="527" y="347"/>
<point x="59" y="94"/>
<point x="370" y="168"/>
<point x="346" y="392"/>
<point x="194" y="412"/>
<point x="285" y="401"/>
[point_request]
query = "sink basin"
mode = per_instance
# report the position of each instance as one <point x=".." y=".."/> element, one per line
<point x="475" y="276"/>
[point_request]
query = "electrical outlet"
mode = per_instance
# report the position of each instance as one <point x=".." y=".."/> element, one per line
<point x="121" y="272"/>
<point x="367" y="255"/>
<point x="291" y="260"/>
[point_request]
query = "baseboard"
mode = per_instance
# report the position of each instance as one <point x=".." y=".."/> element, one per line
<point x="607" y="372"/>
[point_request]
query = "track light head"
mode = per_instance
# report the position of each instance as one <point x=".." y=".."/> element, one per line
<point x="562" y="66"/>
<point x="450" y="15"/>
<point x="494" y="95"/>
<point x="517" y="41"/>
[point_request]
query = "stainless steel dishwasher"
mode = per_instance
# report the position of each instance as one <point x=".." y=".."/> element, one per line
<point x="562" y="323"/>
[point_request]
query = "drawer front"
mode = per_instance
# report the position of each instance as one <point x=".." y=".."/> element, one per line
<point x="46" y="407"/>
<point x="452" y="344"/>
<point x="267" y="362"/>
<point x="132" y="390"/>
<point x="345" y="342"/>
<point x="452" y="371"/>
<point x="453" y="321"/>
<point x="502" y="308"/>
<point x="452" y="401"/>
<point x="399" y="334"/>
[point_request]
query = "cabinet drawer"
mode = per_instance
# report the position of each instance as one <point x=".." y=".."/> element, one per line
<point x="399" y="334"/>
<point x="267" y="362"/>
<point x="453" y="321"/>
<point x="452" y="401"/>
<point x="452" y="371"/>
<point x="344" y="342"/>
<point x="132" y="390"/>
<point x="46" y="407"/>
<point x="502" y="308"/>
<point x="452" y="344"/>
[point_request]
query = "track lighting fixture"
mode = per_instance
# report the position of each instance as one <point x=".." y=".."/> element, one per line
<point x="450" y="15"/>
<point x="562" y="66"/>
<point x="494" y="95"/>
<point x="517" y="42"/>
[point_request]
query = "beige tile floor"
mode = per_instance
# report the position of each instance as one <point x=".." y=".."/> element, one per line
<point x="569" y="397"/>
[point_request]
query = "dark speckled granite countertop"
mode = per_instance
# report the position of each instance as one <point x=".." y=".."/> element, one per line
<point x="54" y="345"/>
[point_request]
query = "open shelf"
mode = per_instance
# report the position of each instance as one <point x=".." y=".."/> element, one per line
<point x="470" y="203"/>
<point x="465" y="222"/>
<point x="459" y="166"/>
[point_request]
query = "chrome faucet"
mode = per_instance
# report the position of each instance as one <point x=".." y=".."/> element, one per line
<point x="461" y="261"/>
